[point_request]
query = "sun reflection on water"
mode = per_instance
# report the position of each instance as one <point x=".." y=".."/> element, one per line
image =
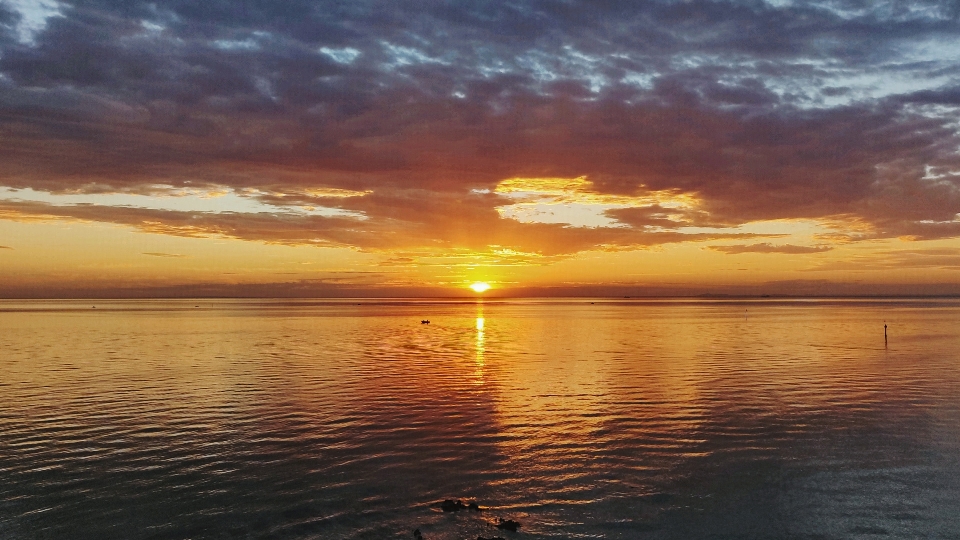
<point x="479" y="362"/>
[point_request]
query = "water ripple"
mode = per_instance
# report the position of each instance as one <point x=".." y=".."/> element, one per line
<point x="619" y="419"/>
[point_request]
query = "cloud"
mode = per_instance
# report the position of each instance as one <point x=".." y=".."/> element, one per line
<point x="938" y="258"/>
<point x="32" y="17"/>
<point x="769" y="248"/>
<point x="404" y="224"/>
<point x="435" y="122"/>
<point x="171" y="255"/>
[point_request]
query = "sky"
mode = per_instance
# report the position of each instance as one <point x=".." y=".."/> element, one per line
<point x="546" y="147"/>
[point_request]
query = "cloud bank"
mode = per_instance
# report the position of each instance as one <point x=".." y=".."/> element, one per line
<point x="395" y="125"/>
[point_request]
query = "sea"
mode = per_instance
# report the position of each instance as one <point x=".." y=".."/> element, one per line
<point x="584" y="418"/>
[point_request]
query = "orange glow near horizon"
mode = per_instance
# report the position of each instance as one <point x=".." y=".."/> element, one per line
<point x="66" y="258"/>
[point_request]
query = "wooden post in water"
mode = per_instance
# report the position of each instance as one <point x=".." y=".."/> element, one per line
<point x="884" y="333"/>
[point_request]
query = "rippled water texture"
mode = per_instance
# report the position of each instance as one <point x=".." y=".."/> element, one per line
<point x="577" y="418"/>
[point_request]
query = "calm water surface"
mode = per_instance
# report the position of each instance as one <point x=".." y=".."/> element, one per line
<point x="577" y="418"/>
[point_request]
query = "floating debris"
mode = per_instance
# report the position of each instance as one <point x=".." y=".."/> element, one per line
<point x="492" y="538"/>
<point x="508" y="525"/>
<point x="417" y="534"/>
<point x="457" y="505"/>
<point x="424" y="322"/>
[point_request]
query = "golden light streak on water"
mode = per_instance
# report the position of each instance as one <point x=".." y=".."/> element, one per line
<point x="480" y="345"/>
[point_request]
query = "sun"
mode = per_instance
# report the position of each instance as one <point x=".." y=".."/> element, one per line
<point x="480" y="286"/>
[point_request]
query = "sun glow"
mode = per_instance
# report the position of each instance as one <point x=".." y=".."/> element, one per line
<point x="480" y="286"/>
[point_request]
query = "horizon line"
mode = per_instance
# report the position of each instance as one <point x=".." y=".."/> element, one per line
<point x="708" y="296"/>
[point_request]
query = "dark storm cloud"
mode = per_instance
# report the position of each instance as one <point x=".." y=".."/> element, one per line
<point x="840" y="110"/>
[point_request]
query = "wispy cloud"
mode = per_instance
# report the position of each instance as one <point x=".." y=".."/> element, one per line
<point x="170" y="255"/>
<point x="769" y="248"/>
<point x="450" y="231"/>
<point x="927" y="259"/>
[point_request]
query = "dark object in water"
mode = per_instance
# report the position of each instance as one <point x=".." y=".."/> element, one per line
<point x="417" y="534"/>
<point x="457" y="505"/>
<point x="493" y="538"/>
<point x="509" y="525"/>
<point x="424" y="322"/>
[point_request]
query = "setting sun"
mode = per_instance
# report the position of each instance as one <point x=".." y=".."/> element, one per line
<point x="480" y="286"/>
